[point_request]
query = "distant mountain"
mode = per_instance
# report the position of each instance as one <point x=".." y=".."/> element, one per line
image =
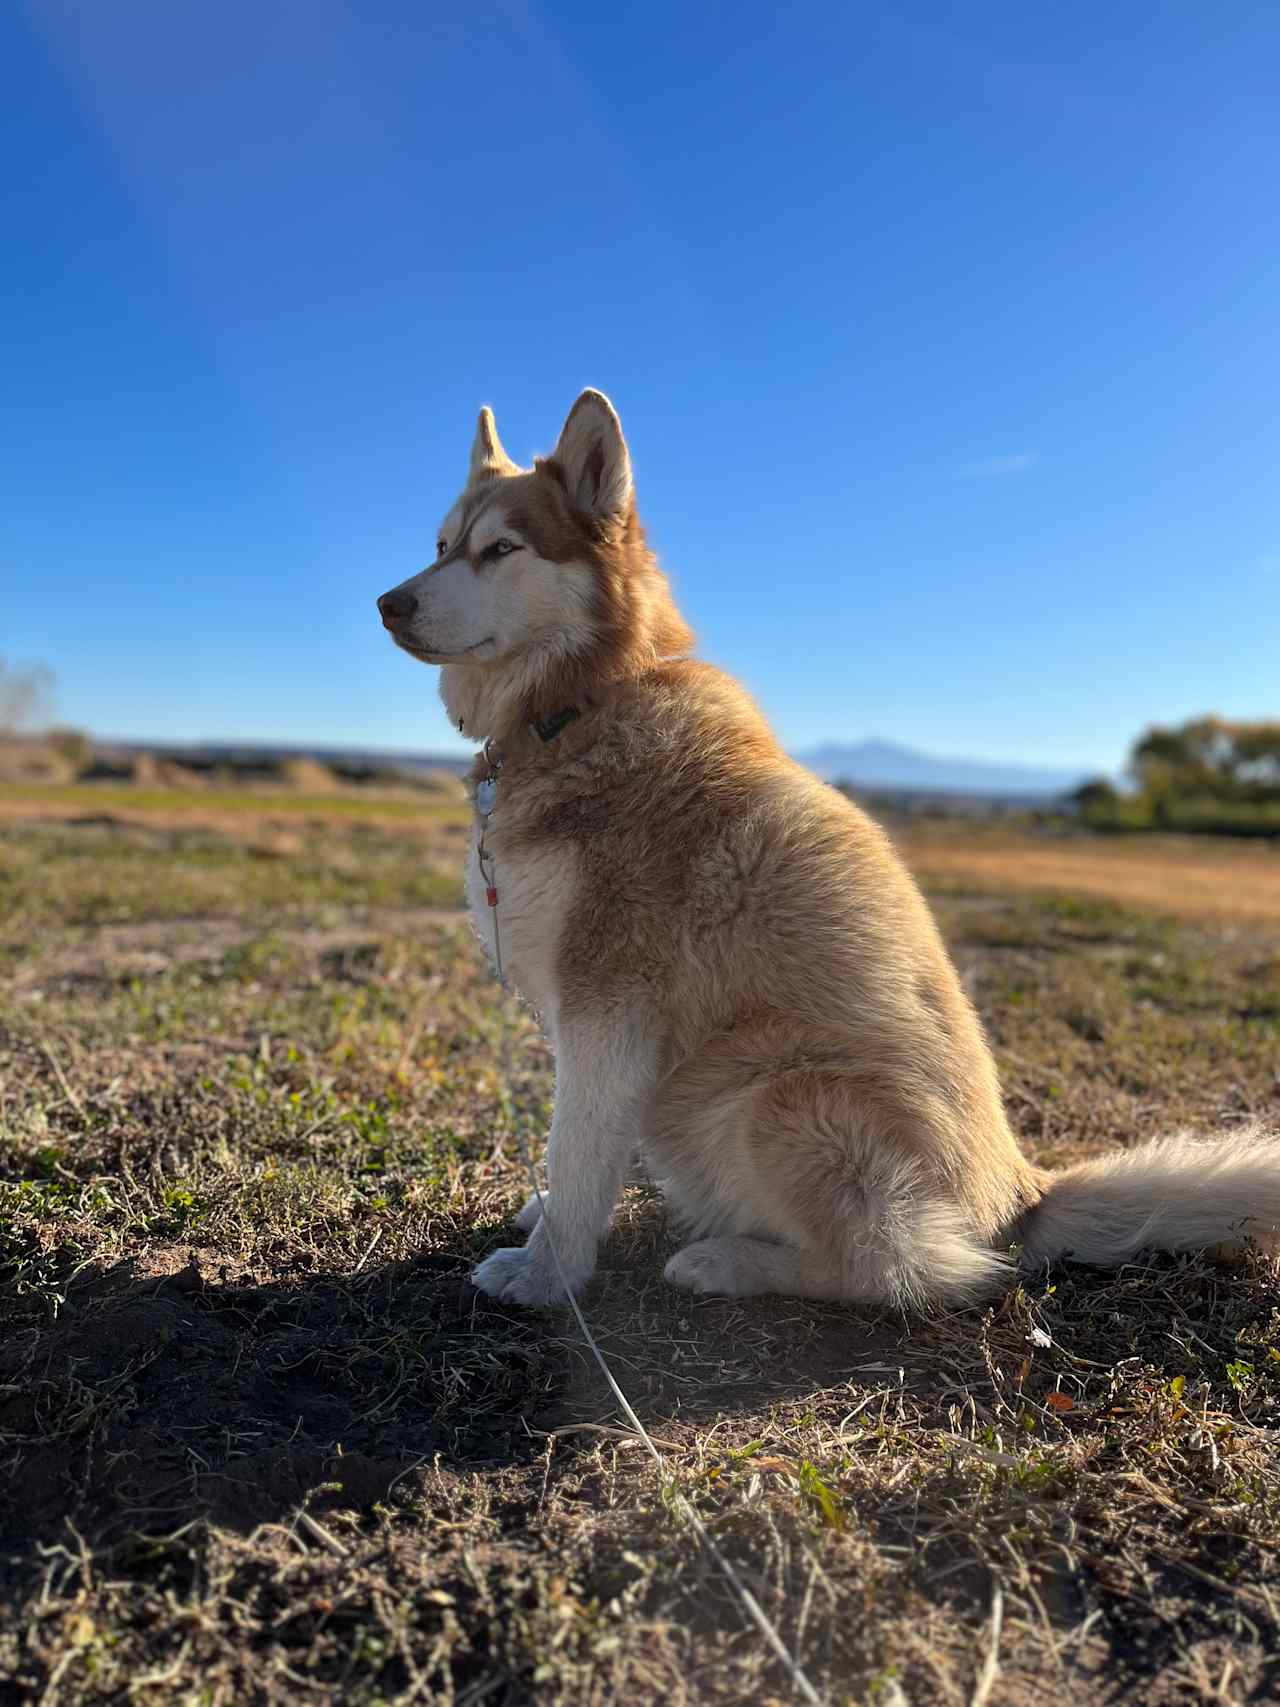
<point x="866" y="764"/>
<point x="881" y="764"/>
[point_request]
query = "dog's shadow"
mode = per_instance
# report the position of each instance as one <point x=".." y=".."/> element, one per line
<point x="177" y="1386"/>
<point x="153" y="1399"/>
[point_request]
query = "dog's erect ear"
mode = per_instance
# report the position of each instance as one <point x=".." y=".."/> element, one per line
<point x="488" y="459"/>
<point x="592" y="453"/>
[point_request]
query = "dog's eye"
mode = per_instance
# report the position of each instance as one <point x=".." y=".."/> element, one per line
<point x="441" y="547"/>
<point x="504" y="547"/>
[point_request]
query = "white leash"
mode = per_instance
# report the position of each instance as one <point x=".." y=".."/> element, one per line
<point x="486" y="792"/>
<point x="758" y="1615"/>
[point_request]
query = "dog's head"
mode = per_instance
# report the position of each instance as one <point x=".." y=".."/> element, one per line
<point x="541" y="579"/>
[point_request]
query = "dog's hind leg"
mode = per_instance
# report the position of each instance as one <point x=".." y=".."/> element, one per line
<point x="796" y="1182"/>
<point x="741" y="1267"/>
<point x="920" y="1254"/>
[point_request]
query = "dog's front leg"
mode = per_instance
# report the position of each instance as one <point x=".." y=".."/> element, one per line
<point x="606" y="1072"/>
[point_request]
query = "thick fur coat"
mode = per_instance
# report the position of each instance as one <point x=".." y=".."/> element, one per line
<point x="740" y="980"/>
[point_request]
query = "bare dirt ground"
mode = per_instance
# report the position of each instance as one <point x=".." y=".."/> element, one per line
<point x="261" y="1442"/>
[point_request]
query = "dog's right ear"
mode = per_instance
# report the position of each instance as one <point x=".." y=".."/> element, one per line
<point x="488" y="459"/>
<point x="592" y="455"/>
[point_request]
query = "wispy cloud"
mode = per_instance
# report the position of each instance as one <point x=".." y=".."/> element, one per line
<point x="991" y="467"/>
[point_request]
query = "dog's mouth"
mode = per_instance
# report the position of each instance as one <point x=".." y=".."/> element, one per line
<point x="425" y="656"/>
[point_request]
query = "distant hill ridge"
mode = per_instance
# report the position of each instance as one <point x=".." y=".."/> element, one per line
<point x="871" y="764"/>
<point x="200" y="754"/>
<point x="883" y="764"/>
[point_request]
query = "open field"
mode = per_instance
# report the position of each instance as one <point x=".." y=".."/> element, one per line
<point x="260" y="1441"/>
<point x="1190" y="877"/>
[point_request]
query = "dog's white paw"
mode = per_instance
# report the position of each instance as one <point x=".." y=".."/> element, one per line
<point x="531" y="1214"/>
<point x="708" y="1266"/>
<point x="522" y="1275"/>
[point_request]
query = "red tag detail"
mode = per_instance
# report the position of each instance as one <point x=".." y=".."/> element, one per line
<point x="491" y="896"/>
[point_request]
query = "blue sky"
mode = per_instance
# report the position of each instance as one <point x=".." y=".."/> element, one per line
<point x="947" y="340"/>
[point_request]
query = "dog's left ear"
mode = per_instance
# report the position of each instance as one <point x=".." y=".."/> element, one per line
<point x="488" y="459"/>
<point x="592" y="454"/>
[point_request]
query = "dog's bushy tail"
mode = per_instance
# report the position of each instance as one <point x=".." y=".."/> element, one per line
<point x="1182" y="1193"/>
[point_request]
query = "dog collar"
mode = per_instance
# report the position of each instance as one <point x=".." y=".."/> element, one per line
<point x="550" y="727"/>
<point x="546" y="729"/>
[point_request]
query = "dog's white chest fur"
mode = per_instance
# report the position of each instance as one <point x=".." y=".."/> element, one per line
<point x="534" y="895"/>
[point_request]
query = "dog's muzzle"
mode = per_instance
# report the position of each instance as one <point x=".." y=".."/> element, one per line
<point x="396" y="606"/>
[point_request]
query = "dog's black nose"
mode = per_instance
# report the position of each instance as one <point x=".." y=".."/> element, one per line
<point x="397" y="606"/>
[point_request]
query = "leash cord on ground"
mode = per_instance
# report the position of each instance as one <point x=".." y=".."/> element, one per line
<point x="754" y="1609"/>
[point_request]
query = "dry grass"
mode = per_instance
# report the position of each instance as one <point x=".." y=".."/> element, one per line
<point x="1188" y="877"/>
<point x="263" y="1443"/>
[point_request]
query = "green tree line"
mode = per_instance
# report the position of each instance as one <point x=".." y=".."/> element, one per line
<point x="1209" y="775"/>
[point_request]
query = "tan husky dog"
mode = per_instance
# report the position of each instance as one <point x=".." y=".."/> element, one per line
<point x="740" y="980"/>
